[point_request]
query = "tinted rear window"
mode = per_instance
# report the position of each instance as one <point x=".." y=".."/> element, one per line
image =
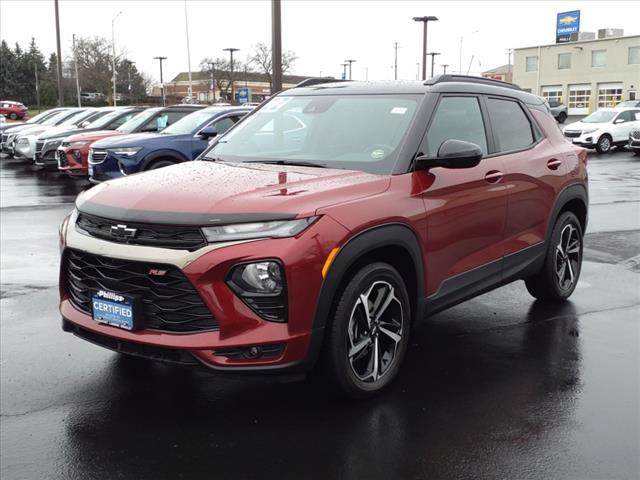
<point x="511" y="127"/>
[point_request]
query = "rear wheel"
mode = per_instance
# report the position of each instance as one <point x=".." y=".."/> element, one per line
<point x="13" y="116"/>
<point x="562" y="117"/>
<point x="604" y="144"/>
<point x="561" y="270"/>
<point x="368" y="337"/>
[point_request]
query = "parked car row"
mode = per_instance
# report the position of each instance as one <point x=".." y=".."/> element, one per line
<point x="109" y="142"/>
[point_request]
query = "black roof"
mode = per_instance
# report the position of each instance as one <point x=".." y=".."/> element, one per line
<point x="439" y="84"/>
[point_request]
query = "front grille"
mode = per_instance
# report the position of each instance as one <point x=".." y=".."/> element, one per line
<point x="169" y="302"/>
<point x="150" y="235"/>
<point x="635" y="134"/>
<point x="569" y="134"/>
<point x="39" y="146"/>
<point x="62" y="159"/>
<point x="97" y="156"/>
<point x="4" y="138"/>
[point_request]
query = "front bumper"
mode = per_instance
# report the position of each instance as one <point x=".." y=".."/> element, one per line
<point x="69" y="163"/>
<point x="634" y="144"/>
<point x="25" y="147"/>
<point x="239" y="327"/>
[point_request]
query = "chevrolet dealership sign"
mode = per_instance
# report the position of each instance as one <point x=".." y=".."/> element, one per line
<point x="566" y="24"/>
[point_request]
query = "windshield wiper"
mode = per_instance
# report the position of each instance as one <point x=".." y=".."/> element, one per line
<point x="294" y="163"/>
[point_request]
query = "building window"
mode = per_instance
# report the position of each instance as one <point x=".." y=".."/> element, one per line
<point x="579" y="97"/>
<point x="532" y="64"/>
<point x="598" y="58"/>
<point x="634" y="55"/>
<point x="609" y="95"/>
<point x="564" y="61"/>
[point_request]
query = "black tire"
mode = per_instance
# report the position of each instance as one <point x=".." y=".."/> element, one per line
<point x="637" y="152"/>
<point x="605" y="144"/>
<point x="547" y="284"/>
<point x="561" y="117"/>
<point x="345" y="373"/>
<point x="13" y="116"/>
<point x="160" y="164"/>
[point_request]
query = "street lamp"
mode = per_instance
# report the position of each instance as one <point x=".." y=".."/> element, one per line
<point x="433" y="56"/>
<point x="460" y="58"/>
<point x="344" y="70"/>
<point x="424" y="20"/>
<point x="349" y="62"/>
<point x="162" y="81"/>
<point x="444" y="68"/>
<point x="113" y="44"/>
<point x="233" y="90"/>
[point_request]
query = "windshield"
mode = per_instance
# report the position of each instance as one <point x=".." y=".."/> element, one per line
<point x="60" y="117"/>
<point x="359" y="132"/>
<point x="41" y="116"/>
<point x="138" y="120"/>
<point x="601" y="116"/>
<point x="105" y="119"/>
<point x="189" y="123"/>
<point x="77" y="117"/>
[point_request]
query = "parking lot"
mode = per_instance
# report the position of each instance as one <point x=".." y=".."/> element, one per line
<point x="498" y="387"/>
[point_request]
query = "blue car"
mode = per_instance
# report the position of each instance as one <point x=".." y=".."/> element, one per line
<point x="184" y="140"/>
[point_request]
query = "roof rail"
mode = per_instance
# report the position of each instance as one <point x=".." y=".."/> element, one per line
<point x="317" y="81"/>
<point x="470" y="79"/>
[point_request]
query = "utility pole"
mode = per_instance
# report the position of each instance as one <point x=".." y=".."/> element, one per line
<point x="233" y="88"/>
<point x="509" y="76"/>
<point x="130" y="63"/>
<point x="425" y="21"/>
<point x="213" y="81"/>
<point x="418" y="70"/>
<point x="75" y="63"/>
<point x="395" y="61"/>
<point x="186" y="23"/>
<point x="350" y="61"/>
<point x="113" y="44"/>
<point x="161" y="80"/>
<point x="433" y="56"/>
<point x="444" y="67"/>
<point x="276" y="46"/>
<point x="60" y="93"/>
<point x="35" y="65"/>
<point x="344" y="71"/>
<point x="460" y="57"/>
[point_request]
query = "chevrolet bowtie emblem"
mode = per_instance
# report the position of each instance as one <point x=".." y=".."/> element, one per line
<point x="123" y="232"/>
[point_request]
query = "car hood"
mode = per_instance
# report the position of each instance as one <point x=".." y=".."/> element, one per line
<point x="584" y="126"/>
<point x="202" y="192"/>
<point x="55" y="132"/>
<point x="34" y="130"/>
<point x="92" y="136"/>
<point x="13" y="129"/>
<point x="129" y="140"/>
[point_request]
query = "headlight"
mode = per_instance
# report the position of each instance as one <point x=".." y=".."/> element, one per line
<point x="52" y="143"/>
<point x="591" y="130"/>
<point x="125" y="151"/>
<point x="245" y="231"/>
<point x="22" y="141"/>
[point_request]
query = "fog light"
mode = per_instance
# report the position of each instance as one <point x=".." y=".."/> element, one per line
<point x="77" y="155"/>
<point x="261" y="285"/>
<point x="263" y="277"/>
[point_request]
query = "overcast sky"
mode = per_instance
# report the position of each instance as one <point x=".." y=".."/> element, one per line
<point x="322" y="33"/>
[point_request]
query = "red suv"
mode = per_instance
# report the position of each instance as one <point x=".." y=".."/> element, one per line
<point x="13" y="110"/>
<point x="321" y="227"/>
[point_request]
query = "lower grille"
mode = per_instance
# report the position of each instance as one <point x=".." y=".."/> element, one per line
<point x="39" y="146"/>
<point x="169" y="302"/>
<point x="151" y="235"/>
<point x="635" y="134"/>
<point x="62" y="159"/>
<point x="572" y="134"/>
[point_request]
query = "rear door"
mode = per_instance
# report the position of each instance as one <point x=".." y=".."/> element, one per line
<point x="534" y="171"/>
<point x="466" y="208"/>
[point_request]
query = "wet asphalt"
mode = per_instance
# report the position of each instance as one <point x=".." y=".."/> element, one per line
<point x="500" y="387"/>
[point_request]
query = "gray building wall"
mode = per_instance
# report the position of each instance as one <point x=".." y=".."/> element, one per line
<point x="583" y="86"/>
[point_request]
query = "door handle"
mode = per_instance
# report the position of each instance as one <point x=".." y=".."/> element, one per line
<point x="553" y="164"/>
<point x="493" y="176"/>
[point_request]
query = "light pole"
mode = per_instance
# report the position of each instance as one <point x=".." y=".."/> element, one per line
<point x="425" y="21"/>
<point x="444" y="68"/>
<point x="161" y="80"/>
<point x="509" y="76"/>
<point x="35" y="65"/>
<point x="276" y="47"/>
<point x="344" y="71"/>
<point x="113" y="44"/>
<point x="460" y="58"/>
<point x="350" y="61"/>
<point x="433" y="56"/>
<point x="60" y="94"/>
<point x="130" y="64"/>
<point x="233" y="89"/>
<point x="186" y="24"/>
<point x="213" y="82"/>
<point x="75" y="65"/>
<point x="395" y="61"/>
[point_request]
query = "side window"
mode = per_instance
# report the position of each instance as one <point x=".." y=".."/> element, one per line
<point x="123" y="119"/>
<point x="225" y="124"/>
<point x="163" y="120"/>
<point x="627" y="116"/>
<point x="457" y="118"/>
<point x="511" y="126"/>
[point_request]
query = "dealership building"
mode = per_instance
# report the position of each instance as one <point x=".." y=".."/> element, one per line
<point x="585" y="74"/>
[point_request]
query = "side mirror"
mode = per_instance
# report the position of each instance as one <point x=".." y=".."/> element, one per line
<point x="85" y="123"/>
<point x="208" y="132"/>
<point x="619" y="120"/>
<point x="452" y="154"/>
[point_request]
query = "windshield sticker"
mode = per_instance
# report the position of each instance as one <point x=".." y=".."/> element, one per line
<point x="377" y="154"/>
<point x="275" y="104"/>
<point x="399" y="110"/>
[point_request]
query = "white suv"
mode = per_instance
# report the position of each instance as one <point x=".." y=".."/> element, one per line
<point x="604" y="129"/>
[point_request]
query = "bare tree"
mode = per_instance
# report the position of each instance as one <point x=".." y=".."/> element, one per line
<point x="261" y="58"/>
<point x="219" y="70"/>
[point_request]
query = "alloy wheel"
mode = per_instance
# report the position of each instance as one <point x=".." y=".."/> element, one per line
<point x="374" y="332"/>
<point x="568" y="253"/>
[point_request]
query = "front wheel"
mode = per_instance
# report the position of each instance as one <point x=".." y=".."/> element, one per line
<point x="13" y="116"/>
<point x="368" y="337"/>
<point x="160" y="164"/>
<point x="562" y="117"/>
<point x="604" y="144"/>
<point x="559" y="275"/>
